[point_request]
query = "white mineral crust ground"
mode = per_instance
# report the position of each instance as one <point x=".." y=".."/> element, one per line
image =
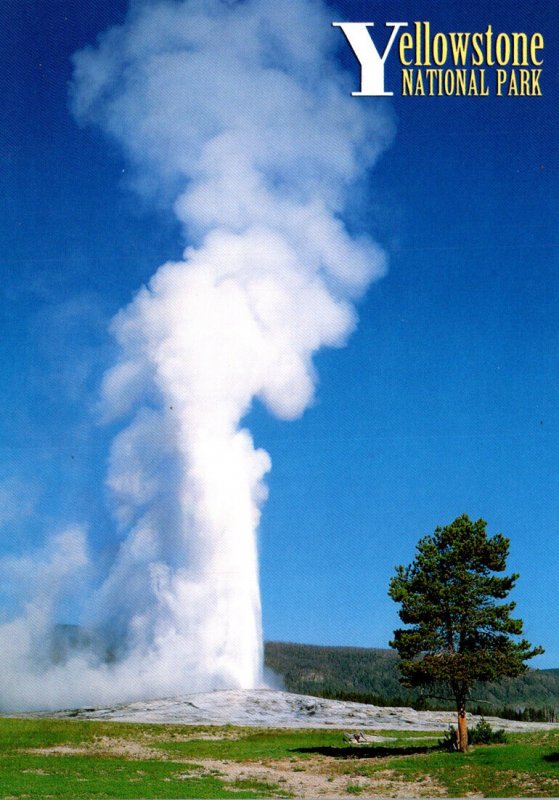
<point x="275" y="709"/>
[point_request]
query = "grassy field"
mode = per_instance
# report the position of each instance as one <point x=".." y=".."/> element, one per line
<point x="77" y="759"/>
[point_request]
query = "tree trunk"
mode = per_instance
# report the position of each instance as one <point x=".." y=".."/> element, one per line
<point x="462" y="732"/>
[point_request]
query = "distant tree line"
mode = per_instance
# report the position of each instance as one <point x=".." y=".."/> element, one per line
<point x="526" y="714"/>
<point x="370" y="675"/>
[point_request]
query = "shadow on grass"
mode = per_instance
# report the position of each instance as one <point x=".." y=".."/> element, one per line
<point x="552" y="758"/>
<point x="366" y="752"/>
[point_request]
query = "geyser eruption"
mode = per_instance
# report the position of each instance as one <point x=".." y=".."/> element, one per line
<point x="239" y="115"/>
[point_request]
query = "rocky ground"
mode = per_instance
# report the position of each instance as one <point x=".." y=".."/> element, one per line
<point x="276" y="709"/>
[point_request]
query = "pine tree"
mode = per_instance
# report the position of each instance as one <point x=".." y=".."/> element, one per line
<point x="457" y="633"/>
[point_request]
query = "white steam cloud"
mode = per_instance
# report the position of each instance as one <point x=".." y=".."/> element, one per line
<point x="239" y="112"/>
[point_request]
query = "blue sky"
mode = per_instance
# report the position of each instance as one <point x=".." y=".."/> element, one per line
<point x="444" y="401"/>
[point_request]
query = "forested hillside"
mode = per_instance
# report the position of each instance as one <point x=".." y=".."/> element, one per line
<point x="371" y="675"/>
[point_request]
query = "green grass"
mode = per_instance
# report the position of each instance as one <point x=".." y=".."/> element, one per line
<point x="24" y="773"/>
<point x="528" y="766"/>
<point x="260" y="745"/>
<point x="84" y="777"/>
<point x="121" y="760"/>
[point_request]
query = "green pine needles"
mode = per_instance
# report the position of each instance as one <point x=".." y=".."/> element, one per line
<point x="458" y="632"/>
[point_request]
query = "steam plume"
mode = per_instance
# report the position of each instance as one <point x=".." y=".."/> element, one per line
<point x="238" y="114"/>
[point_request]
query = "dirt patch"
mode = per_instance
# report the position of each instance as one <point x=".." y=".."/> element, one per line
<point x="529" y="785"/>
<point x="105" y="746"/>
<point x="229" y="736"/>
<point x="314" y="777"/>
<point x="318" y="777"/>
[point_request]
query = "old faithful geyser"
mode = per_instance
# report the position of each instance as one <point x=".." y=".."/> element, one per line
<point x="239" y="116"/>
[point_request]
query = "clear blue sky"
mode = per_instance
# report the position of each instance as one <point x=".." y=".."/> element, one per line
<point x="445" y="400"/>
